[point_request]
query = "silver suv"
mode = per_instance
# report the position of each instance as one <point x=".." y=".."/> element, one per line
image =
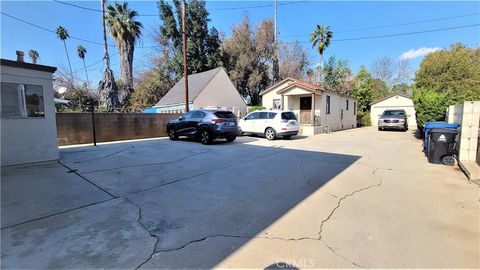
<point x="393" y="119"/>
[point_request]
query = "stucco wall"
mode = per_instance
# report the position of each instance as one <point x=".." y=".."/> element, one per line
<point x="220" y="92"/>
<point x="395" y="102"/>
<point x="76" y="128"/>
<point x="28" y="140"/>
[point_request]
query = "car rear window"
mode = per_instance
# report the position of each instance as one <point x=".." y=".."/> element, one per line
<point x="288" y="116"/>
<point x="394" y="113"/>
<point x="225" y="115"/>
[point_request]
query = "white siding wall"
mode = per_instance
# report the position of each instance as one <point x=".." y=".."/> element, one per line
<point x="220" y="92"/>
<point x="28" y="140"/>
<point x="395" y="102"/>
<point x="334" y="120"/>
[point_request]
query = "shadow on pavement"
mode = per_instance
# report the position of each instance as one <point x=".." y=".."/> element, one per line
<point x="177" y="192"/>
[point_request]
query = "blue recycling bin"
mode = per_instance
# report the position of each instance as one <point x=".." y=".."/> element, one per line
<point x="429" y="126"/>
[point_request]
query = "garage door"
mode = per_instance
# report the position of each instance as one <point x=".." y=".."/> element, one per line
<point x="392" y="103"/>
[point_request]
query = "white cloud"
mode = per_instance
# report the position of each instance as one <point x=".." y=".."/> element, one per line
<point x="418" y="53"/>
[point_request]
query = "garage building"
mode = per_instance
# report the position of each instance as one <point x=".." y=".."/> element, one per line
<point x="393" y="102"/>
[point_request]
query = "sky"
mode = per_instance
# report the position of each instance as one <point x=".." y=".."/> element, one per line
<point x="356" y="26"/>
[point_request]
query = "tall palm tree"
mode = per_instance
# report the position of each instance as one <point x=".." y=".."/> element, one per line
<point x="33" y="55"/>
<point x="320" y="38"/>
<point x="107" y="87"/>
<point x="81" y="51"/>
<point x="63" y="35"/>
<point x="125" y="30"/>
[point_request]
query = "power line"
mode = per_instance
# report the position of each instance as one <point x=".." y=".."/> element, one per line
<point x="72" y="37"/>
<point x="395" y="35"/>
<point x="210" y="9"/>
<point x="394" y="25"/>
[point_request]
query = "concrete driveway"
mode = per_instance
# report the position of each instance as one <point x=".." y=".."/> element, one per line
<point x="356" y="198"/>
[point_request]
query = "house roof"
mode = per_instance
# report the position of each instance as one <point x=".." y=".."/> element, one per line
<point x="292" y="83"/>
<point x="196" y="83"/>
<point x="17" y="64"/>
<point x="390" y="96"/>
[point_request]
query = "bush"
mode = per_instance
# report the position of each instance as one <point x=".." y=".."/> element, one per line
<point x="430" y="105"/>
<point x="363" y="119"/>
<point x="254" y="108"/>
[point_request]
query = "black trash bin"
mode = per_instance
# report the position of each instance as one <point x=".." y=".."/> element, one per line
<point x="441" y="146"/>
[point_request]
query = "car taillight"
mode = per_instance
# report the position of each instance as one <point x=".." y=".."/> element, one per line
<point x="217" y="121"/>
<point x="284" y="128"/>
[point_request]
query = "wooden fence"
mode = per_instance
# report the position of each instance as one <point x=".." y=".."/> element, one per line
<point x="76" y="128"/>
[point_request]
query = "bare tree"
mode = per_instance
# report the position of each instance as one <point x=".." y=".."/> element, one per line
<point x="293" y="61"/>
<point x="391" y="72"/>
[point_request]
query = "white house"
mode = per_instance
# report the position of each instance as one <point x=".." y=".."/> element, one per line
<point x="394" y="101"/>
<point x="28" y="123"/>
<point x="317" y="109"/>
<point x="211" y="89"/>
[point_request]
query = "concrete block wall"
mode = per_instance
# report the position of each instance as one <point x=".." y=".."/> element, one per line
<point x="468" y="116"/>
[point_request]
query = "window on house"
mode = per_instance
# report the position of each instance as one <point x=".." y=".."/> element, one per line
<point x="305" y="103"/>
<point x="327" y="109"/>
<point x="277" y="104"/>
<point x="347" y="104"/>
<point x="34" y="106"/>
<point x="22" y="100"/>
<point x="354" y="107"/>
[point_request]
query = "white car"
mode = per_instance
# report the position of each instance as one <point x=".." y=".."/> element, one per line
<point x="271" y="123"/>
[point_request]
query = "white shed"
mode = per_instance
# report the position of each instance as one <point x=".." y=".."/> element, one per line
<point x="28" y="124"/>
<point x="395" y="101"/>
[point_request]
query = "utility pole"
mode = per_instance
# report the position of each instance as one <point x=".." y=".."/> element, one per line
<point x="185" y="71"/>
<point x="276" y="71"/>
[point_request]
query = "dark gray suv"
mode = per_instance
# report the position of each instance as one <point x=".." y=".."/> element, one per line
<point x="205" y="125"/>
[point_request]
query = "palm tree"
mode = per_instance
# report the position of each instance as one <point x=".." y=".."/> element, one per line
<point x="63" y="35"/>
<point x="33" y="55"/>
<point x="125" y="30"/>
<point x="107" y="87"/>
<point x="81" y="53"/>
<point x="321" y="39"/>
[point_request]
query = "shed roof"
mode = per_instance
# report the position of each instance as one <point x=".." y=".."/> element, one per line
<point x="17" y="64"/>
<point x="293" y="82"/>
<point x="390" y="96"/>
<point x="196" y="83"/>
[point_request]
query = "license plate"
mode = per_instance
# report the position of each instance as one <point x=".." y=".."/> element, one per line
<point x="230" y="124"/>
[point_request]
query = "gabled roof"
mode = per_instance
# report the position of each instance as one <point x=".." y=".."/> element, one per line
<point x="390" y="96"/>
<point x="292" y="83"/>
<point x="196" y="83"/>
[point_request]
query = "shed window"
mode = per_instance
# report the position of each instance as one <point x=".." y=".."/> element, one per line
<point x="22" y="100"/>
<point x="327" y="109"/>
<point x="347" y="105"/>
<point x="354" y="107"/>
<point x="305" y="103"/>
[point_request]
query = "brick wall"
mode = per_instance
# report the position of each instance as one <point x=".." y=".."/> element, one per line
<point x="76" y="128"/>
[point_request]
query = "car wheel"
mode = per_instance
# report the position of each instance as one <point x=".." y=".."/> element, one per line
<point x="205" y="137"/>
<point x="270" y="134"/>
<point x="379" y="129"/>
<point x="287" y="137"/>
<point x="172" y="134"/>
<point x="230" y="138"/>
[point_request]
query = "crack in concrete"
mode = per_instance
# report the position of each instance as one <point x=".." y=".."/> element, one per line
<point x="305" y="178"/>
<point x="319" y="238"/>
<point x="148" y="164"/>
<point x="147" y="230"/>
<point x="106" y="156"/>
